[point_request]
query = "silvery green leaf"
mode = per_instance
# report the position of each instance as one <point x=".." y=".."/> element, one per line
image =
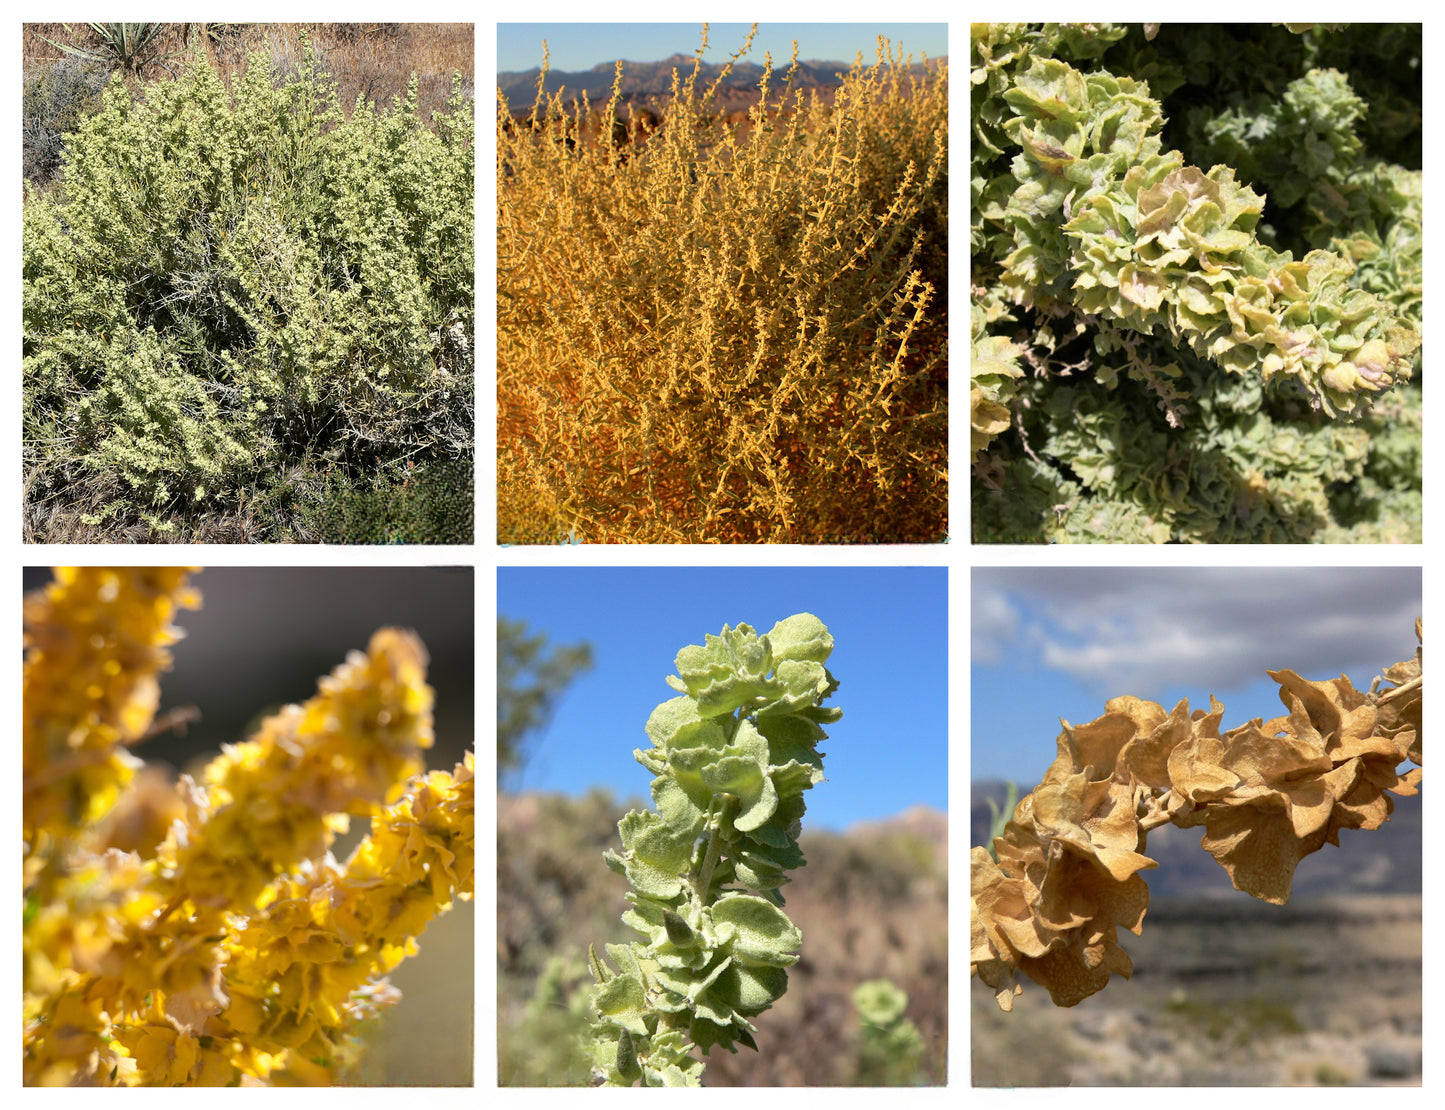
<point x="793" y="778"/>
<point x="750" y="782"/>
<point x="676" y="724"/>
<point x="792" y="737"/>
<point x="797" y="685"/>
<point x="803" y="637"/>
<point x="679" y="806"/>
<point x="622" y="1001"/>
<point x="751" y="990"/>
<point x="760" y="932"/>
<point x="655" y="856"/>
<point x="709" y="1034"/>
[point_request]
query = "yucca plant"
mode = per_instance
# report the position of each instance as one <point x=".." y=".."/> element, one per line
<point x="127" y="46"/>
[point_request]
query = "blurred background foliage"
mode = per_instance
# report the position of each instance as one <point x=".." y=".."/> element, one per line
<point x="530" y="678"/>
<point x="872" y="904"/>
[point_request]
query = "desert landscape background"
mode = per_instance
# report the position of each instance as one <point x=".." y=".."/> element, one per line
<point x="871" y="902"/>
<point x="648" y="84"/>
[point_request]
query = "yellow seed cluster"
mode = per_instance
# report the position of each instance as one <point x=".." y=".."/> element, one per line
<point x="726" y="326"/>
<point x="203" y="934"/>
<point x="1066" y="877"/>
<point x="95" y="640"/>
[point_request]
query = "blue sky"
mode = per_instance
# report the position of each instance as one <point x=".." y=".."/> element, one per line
<point x="1059" y="642"/>
<point x="578" y="46"/>
<point x="890" y="629"/>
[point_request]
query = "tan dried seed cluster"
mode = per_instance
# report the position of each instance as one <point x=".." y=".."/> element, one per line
<point x="1268" y="793"/>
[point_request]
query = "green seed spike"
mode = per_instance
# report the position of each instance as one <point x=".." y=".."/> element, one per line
<point x="732" y="757"/>
<point x="678" y="930"/>
<point x="627" y="1065"/>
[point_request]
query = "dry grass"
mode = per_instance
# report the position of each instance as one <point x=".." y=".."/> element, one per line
<point x="726" y="330"/>
<point x="374" y="60"/>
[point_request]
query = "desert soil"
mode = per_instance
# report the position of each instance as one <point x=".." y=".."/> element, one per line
<point x="1229" y="992"/>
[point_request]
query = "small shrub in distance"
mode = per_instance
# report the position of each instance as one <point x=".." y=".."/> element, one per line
<point x="890" y="1047"/>
<point x="56" y="97"/>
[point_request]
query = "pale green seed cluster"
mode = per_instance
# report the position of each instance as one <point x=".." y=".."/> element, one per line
<point x="1149" y="363"/>
<point x="1135" y="236"/>
<point x="732" y="757"/>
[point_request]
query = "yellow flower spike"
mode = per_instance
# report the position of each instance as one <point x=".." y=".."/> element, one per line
<point x="347" y="750"/>
<point x="240" y="951"/>
<point x="95" y="641"/>
<point x="55" y="1044"/>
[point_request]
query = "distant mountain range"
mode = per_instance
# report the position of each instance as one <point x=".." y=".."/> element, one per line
<point x="1385" y="861"/>
<point x="648" y="82"/>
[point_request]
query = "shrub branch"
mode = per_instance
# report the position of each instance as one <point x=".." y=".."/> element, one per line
<point x="1064" y="876"/>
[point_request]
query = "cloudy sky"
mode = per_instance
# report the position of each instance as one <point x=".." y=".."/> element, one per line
<point x="1050" y="643"/>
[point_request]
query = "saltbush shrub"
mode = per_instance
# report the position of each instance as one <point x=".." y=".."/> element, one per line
<point x="726" y="329"/>
<point x="225" y="283"/>
<point x="56" y="97"/>
<point x="1196" y="282"/>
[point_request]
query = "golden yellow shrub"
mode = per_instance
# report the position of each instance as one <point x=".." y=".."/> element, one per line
<point x="726" y="329"/>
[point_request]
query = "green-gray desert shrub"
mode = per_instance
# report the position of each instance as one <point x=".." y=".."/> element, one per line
<point x="56" y="97"/>
<point x="432" y="504"/>
<point x="1197" y="279"/>
<point x="225" y="283"/>
<point x="545" y="1046"/>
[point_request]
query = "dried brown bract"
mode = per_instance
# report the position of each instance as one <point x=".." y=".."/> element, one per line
<point x="1064" y="876"/>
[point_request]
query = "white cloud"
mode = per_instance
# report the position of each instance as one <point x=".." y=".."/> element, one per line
<point x="1138" y="630"/>
<point x="995" y="623"/>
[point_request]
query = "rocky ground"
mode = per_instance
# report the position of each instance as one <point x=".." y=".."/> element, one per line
<point x="1229" y="992"/>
